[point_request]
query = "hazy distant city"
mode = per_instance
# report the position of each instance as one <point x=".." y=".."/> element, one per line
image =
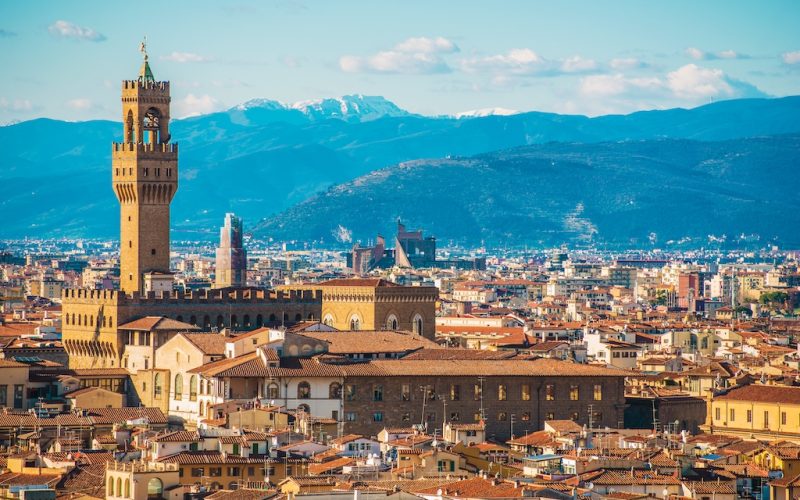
<point x="206" y="293"/>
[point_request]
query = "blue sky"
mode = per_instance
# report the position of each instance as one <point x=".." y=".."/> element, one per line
<point x="65" y="59"/>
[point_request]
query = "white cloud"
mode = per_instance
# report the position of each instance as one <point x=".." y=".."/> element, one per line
<point x="728" y="54"/>
<point x="701" y="55"/>
<point x="66" y="29"/>
<point x="426" y="45"/>
<point x="80" y="103"/>
<point x="618" y="84"/>
<point x="515" y="61"/>
<point x="577" y="64"/>
<point x="16" y="105"/>
<point x="695" y="53"/>
<point x="791" y="57"/>
<point x="420" y="55"/>
<point x="621" y="64"/>
<point x="193" y="105"/>
<point x="184" y="57"/>
<point x="688" y="85"/>
<point x="692" y="82"/>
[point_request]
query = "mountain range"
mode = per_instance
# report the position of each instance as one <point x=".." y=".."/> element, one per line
<point x="269" y="162"/>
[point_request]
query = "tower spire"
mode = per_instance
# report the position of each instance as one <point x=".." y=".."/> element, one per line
<point x="145" y="74"/>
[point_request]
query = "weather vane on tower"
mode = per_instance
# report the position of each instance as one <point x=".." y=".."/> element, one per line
<point x="143" y="47"/>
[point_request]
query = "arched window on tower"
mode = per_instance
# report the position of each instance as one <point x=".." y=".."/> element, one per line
<point x="151" y="124"/>
<point x="129" y="127"/>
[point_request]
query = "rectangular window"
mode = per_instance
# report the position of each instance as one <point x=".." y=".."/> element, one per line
<point x="3" y="395"/>
<point x="550" y="416"/>
<point x="18" y="393"/>
<point x="350" y="416"/>
<point x="732" y="416"/>
<point x="749" y="416"/>
<point x="198" y="471"/>
<point x="233" y="471"/>
<point x="476" y="392"/>
<point x="598" y="392"/>
<point x="783" y="418"/>
<point x="350" y="392"/>
<point x="550" y="392"/>
<point x="377" y="416"/>
<point x="573" y="392"/>
<point x="501" y="392"/>
<point x="377" y="393"/>
<point x="615" y="354"/>
<point x="526" y="392"/>
<point x="215" y="471"/>
<point x="717" y="414"/>
<point x="455" y="392"/>
<point x="502" y="416"/>
<point x="405" y="392"/>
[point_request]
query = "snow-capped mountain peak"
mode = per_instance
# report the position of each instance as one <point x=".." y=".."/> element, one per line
<point x="478" y="113"/>
<point x="356" y="107"/>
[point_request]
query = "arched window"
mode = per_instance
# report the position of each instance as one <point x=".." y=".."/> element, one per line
<point x="303" y="408"/>
<point x="193" y="320"/>
<point x="179" y="318"/>
<point x="310" y="316"/>
<point x="355" y="323"/>
<point x="285" y="317"/>
<point x="417" y="324"/>
<point x="119" y="487"/>
<point x="328" y="319"/>
<point x="273" y="391"/>
<point x="215" y="486"/>
<point x="298" y="317"/>
<point x="259" y="321"/>
<point x="157" y="386"/>
<point x="155" y="488"/>
<point x="220" y="321"/>
<point x="233" y="485"/>
<point x="391" y="322"/>
<point x="110" y="489"/>
<point x="246" y="321"/>
<point x="193" y="388"/>
<point x="203" y="387"/>
<point x="178" y="386"/>
<point x="303" y="390"/>
<point x="91" y="320"/>
<point x="206" y="322"/>
<point x="202" y="409"/>
<point x="127" y="488"/>
<point x="129" y="127"/>
<point x="234" y="321"/>
<point x="335" y="390"/>
<point x="272" y="318"/>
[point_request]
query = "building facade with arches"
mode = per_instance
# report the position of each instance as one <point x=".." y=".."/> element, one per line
<point x="376" y="304"/>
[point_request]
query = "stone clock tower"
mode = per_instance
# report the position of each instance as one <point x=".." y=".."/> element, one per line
<point x="145" y="178"/>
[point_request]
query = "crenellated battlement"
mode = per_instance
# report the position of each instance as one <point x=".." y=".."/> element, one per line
<point x="143" y="147"/>
<point x="155" y="88"/>
<point x="82" y="294"/>
<point x="222" y="296"/>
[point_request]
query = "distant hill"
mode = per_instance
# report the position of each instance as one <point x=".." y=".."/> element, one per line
<point x="613" y="193"/>
<point x="262" y="157"/>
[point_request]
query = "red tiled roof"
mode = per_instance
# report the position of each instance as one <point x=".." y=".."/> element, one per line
<point x="154" y="323"/>
<point x="763" y="394"/>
